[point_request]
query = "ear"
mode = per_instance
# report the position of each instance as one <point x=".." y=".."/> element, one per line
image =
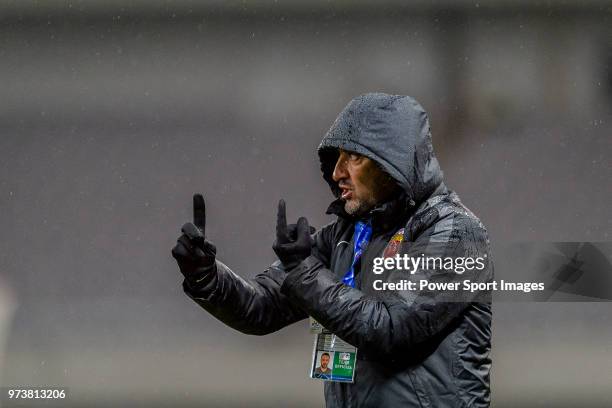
<point x="387" y="186"/>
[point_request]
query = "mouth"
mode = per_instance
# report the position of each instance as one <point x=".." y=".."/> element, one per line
<point x="346" y="193"/>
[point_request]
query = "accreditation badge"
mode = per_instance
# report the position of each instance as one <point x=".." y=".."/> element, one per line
<point x="333" y="359"/>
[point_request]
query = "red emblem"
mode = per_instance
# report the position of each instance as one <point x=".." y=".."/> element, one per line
<point x="393" y="246"/>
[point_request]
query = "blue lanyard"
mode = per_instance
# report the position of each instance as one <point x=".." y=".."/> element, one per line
<point x="363" y="233"/>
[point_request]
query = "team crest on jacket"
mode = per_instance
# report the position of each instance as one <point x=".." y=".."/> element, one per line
<point x="393" y="246"/>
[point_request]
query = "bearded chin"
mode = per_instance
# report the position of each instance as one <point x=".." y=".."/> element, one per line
<point x="357" y="207"/>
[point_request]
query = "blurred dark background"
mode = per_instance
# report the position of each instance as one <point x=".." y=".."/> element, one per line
<point x="112" y="116"/>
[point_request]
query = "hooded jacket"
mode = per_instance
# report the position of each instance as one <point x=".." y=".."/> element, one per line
<point x="416" y="348"/>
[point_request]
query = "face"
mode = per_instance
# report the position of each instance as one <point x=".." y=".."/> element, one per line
<point x="362" y="183"/>
<point x="324" y="361"/>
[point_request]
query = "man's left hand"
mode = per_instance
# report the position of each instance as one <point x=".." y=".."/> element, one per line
<point x="293" y="244"/>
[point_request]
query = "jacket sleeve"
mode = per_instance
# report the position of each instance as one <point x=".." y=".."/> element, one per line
<point x="253" y="306"/>
<point x="391" y="322"/>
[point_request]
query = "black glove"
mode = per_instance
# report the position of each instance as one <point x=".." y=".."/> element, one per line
<point x="193" y="253"/>
<point x="293" y="243"/>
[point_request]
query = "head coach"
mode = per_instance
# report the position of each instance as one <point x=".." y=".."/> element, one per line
<point x="415" y="348"/>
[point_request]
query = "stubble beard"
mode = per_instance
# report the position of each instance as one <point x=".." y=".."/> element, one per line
<point x="358" y="207"/>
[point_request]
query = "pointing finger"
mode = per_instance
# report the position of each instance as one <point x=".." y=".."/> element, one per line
<point x="281" y="223"/>
<point x="199" y="212"/>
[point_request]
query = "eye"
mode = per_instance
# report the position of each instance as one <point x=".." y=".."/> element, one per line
<point x="354" y="156"/>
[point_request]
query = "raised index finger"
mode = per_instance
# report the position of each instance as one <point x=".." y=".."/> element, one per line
<point x="199" y="212"/>
<point x="281" y="222"/>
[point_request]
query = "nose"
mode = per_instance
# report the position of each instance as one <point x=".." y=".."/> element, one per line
<point x="340" y="170"/>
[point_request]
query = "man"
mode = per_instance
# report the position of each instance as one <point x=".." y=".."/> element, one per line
<point x="323" y="371"/>
<point x="416" y="348"/>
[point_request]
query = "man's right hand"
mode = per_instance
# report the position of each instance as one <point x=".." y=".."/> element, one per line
<point x="193" y="253"/>
<point x="293" y="242"/>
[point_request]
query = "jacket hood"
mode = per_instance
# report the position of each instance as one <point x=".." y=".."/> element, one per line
<point x="392" y="130"/>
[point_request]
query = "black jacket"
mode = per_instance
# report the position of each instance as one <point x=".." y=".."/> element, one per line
<point x="415" y="348"/>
